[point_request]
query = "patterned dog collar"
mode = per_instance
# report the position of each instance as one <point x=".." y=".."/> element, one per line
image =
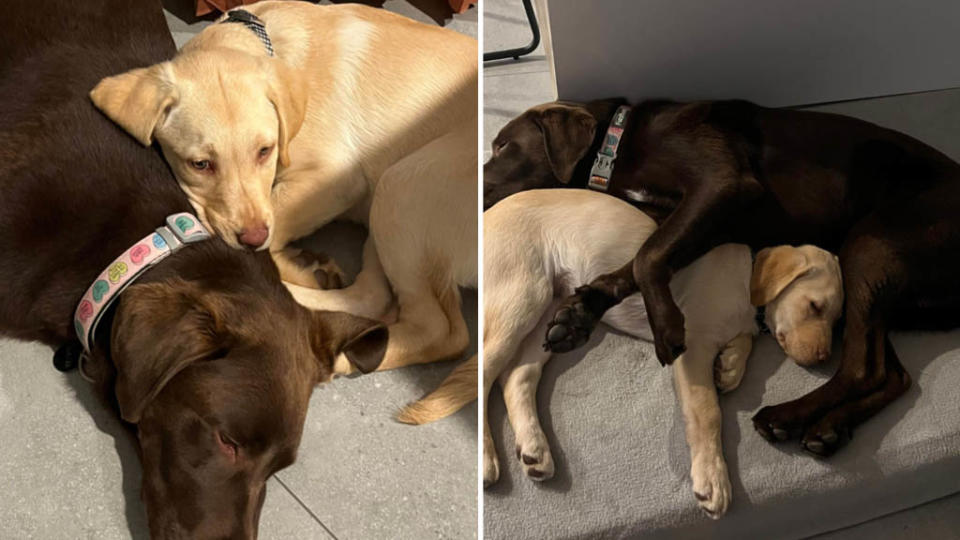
<point x="252" y="22"/>
<point x="603" y="165"/>
<point x="180" y="229"/>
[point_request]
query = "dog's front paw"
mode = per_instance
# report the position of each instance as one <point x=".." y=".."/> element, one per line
<point x="711" y="485"/>
<point x="728" y="369"/>
<point x="574" y="320"/>
<point x="534" y="456"/>
<point x="669" y="339"/>
<point x="315" y="270"/>
<point x="778" y="423"/>
<point x="825" y="436"/>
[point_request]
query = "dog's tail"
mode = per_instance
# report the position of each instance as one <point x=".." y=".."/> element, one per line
<point x="458" y="389"/>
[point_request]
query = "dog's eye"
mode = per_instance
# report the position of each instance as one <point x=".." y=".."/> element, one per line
<point x="499" y="146"/>
<point x="264" y="152"/>
<point x="815" y="307"/>
<point x="227" y="446"/>
<point x="200" y="164"/>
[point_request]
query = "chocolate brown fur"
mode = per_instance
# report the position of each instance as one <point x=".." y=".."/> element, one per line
<point x="731" y="171"/>
<point x="207" y="353"/>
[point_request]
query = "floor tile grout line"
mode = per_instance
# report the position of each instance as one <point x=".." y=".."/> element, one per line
<point x="305" y="507"/>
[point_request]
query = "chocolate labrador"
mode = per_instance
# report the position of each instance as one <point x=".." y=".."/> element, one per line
<point x="207" y="354"/>
<point x="731" y="171"/>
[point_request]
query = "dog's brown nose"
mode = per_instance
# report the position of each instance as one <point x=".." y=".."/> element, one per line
<point x="253" y="237"/>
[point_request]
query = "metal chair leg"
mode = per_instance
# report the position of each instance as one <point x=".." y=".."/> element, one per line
<point x="517" y="53"/>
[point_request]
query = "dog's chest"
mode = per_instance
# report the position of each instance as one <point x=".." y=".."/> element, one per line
<point x="647" y="196"/>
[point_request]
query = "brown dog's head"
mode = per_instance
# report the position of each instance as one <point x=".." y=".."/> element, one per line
<point x="218" y="384"/>
<point x="538" y="149"/>
<point x="803" y="290"/>
<point x="224" y="120"/>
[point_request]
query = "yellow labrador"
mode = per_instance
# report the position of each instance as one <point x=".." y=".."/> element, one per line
<point x="540" y="244"/>
<point x="340" y="112"/>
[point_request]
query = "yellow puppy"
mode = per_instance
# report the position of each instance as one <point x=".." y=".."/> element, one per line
<point x="270" y="148"/>
<point x="358" y="114"/>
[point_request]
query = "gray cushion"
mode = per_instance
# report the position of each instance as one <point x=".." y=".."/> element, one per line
<point x="617" y="436"/>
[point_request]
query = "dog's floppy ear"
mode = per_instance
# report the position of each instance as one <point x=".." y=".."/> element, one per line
<point x="137" y="100"/>
<point x="287" y="90"/>
<point x="567" y="135"/>
<point x="773" y="270"/>
<point x="362" y="341"/>
<point x="159" y="329"/>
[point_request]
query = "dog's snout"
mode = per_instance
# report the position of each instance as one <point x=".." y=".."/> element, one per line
<point x="253" y="236"/>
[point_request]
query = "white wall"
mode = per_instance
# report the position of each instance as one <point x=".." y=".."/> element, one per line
<point x="774" y="52"/>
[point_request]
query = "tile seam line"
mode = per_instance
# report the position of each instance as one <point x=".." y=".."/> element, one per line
<point x="305" y="507"/>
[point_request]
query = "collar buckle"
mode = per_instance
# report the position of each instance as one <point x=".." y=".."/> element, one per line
<point x="602" y="169"/>
<point x="186" y="227"/>
<point x="179" y="230"/>
<point x="603" y="165"/>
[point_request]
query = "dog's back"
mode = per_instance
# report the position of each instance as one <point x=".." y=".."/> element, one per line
<point x="562" y="238"/>
<point x="68" y="174"/>
<point x="573" y="235"/>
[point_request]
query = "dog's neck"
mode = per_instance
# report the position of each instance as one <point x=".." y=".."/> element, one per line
<point x="602" y="111"/>
<point x="656" y="205"/>
<point x="252" y="23"/>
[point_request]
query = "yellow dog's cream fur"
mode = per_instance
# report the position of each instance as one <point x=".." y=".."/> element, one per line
<point x="540" y="244"/>
<point x="363" y="115"/>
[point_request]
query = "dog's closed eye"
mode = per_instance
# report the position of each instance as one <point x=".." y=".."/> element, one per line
<point x="227" y="446"/>
<point x="815" y="307"/>
<point x="498" y="146"/>
<point x="264" y="152"/>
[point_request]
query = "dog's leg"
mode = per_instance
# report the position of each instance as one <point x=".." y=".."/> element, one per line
<point x="693" y="380"/>
<point x="688" y="233"/>
<point x="731" y="364"/>
<point x="428" y="329"/>
<point x="369" y="296"/>
<point x="307" y="197"/>
<point x="630" y="317"/>
<point x="430" y="326"/>
<point x="520" y="382"/>
<point x="834" y="428"/>
<point x="509" y="321"/>
<point x="889" y="263"/>
<point x="307" y="269"/>
<point x="499" y="350"/>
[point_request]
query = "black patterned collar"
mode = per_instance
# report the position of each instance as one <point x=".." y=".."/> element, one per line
<point x="252" y="22"/>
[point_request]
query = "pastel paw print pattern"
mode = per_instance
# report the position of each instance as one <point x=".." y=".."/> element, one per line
<point x="85" y="310"/>
<point x="116" y="271"/>
<point x="158" y="241"/>
<point x="100" y="288"/>
<point x="184" y="224"/>
<point x="78" y="327"/>
<point x="138" y="253"/>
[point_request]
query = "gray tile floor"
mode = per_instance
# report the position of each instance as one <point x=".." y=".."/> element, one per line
<point x="67" y="469"/>
<point x="510" y="87"/>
